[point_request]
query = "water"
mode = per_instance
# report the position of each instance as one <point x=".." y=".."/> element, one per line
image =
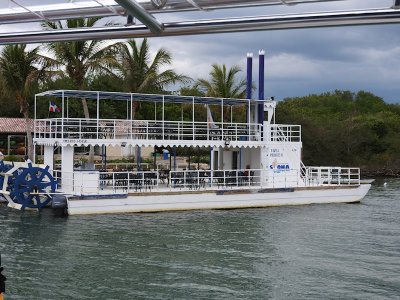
<point x="336" y="251"/>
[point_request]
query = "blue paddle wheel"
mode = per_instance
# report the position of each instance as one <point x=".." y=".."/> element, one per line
<point x="4" y="168"/>
<point x="29" y="186"/>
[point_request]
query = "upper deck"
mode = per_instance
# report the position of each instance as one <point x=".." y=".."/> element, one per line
<point x="102" y="131"/>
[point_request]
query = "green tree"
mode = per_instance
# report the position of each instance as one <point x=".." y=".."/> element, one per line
<point x="140" y="74"/>
<point x="347" y="129"/>
<point x="223" y="83"/>
<point x="20" y="76"/>
<point x="81" y="58"/>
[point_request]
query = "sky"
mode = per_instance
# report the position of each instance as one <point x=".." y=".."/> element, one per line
<point x="298" y="62"/>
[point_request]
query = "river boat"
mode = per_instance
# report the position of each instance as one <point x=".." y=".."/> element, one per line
<point x="252" y="163"/>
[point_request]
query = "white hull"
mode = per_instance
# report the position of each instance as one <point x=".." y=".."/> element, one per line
<point x="227" y="199"/>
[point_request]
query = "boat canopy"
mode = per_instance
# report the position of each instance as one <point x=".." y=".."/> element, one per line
<point x="147" y="97"/>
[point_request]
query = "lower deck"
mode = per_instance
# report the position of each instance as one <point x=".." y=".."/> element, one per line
<point x="97" y="182"/>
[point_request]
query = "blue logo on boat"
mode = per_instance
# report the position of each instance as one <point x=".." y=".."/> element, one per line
<point x="282" y="167"/>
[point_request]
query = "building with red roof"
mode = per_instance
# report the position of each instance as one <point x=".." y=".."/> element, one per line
<point x="13" y="135"/>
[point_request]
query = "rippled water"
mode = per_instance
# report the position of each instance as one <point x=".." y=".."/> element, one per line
<point x="304" y="252"/>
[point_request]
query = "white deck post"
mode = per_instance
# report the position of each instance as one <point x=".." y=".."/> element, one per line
<point x="163" y="117"/>
<point x="67" y="169"/>
<point x="131" y="107"/>
<point x="193" y="117"/>
<point x="49" y="156"/>
<point x="62" y="120"/>
<point x="34" y="154"/>
<point x="222" y="118"/>
<point x="248" y="120"/>
<point x="131" y="123"/>
<point x="34" y="120"/>
<point x="35" y="108"/>
<point x="179" y="137"/>
<point x="98" y="115"/>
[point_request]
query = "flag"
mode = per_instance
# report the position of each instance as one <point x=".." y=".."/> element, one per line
<point x="210" y="120"/>
<point x="53" y="107"/>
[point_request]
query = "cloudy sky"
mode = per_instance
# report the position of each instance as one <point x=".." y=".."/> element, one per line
<point x="299" y="61"/>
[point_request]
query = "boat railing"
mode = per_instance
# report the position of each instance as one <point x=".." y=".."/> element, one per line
<point x="285" y="133"/>
<point x="135" y="166"/>
<point x="125" y="166"/>
<point x="87" y="182"/>
<point x="84" y="129"/>
<point x="332" y="176"/>
<point x="207" y="179"/>
<point x="99" y="182"/>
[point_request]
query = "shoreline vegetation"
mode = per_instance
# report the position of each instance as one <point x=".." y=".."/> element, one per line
<point x="347" y="129"/>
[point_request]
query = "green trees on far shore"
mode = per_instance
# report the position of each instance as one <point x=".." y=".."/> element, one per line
<point x="346" y="129"/>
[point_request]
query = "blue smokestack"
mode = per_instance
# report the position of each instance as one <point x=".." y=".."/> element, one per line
<point x="249" y="74"/>
<point x="261" y="86"/>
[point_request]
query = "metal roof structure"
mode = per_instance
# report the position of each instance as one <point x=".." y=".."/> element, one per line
<point x="149" y="25"/>
<point x="147" y="97"/>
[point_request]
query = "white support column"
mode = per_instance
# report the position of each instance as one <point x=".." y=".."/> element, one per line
<point x="48" y="154"/>
<point x="163" y="117"/>
<point x="34" y="153"/>
<point x="98" y="115"/>
<point x="222" y="110"/>
<point x="248" y="119"/>
<point x="35" y="129"/>
<point x="222" y="118"/>
<point x="62" y="119"/>
<point x="62" y="99"/>
<point x="131" y="107"/>
<point x="67" y="169"/>
<point x="193" y="116"/>
<point x="35" y="109"/>
<point x="220" y="158"/>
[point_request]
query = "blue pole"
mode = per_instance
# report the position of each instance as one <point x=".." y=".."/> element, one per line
<point x="249" y="75"/>
<point x="261" y="88"/>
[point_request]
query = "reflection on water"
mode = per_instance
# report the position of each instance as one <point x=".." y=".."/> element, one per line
<point x="301" y="252"/>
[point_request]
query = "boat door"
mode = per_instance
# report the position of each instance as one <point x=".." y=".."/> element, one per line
<point x="235" y="160"/>
<point x="215" y="160"/>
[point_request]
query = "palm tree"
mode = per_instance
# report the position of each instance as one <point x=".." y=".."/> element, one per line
<point x="140" y="74"/>
<point x="222" y="83"/>
<point x="20" y="75"/>
<point x="81" y="58"/>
